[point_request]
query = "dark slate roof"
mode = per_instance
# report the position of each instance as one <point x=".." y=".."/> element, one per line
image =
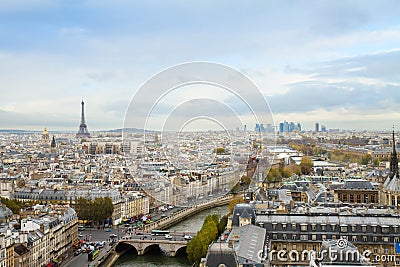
<point x="321" y="197"/>
<point x="358" y="184"/>
<point x="221" y="253"/>
<point x="5" y="213"/>
<point x="20" y="249"/>
<point x="248" y="241"/>
<point x="239" y="210"/>
<point x="245" y="215"/>
<point x="291" y="187"/>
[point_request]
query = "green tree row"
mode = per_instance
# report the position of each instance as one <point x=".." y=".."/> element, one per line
<point x="275" y="175"/>
<point x="14" y="205"/>
<point x="212" y="227"/>
<point x="343" y="156"/>
<point x="96" y="210"/>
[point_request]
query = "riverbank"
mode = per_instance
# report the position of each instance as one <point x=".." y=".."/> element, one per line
<point x="169" y="221"/>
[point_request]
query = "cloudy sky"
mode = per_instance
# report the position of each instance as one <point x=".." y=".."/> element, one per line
<point x="335" y="62"/>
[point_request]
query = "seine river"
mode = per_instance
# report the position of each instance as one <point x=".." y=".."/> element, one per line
<point x="158" y="257"/>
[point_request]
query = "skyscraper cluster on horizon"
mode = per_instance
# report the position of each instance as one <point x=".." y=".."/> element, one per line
<point x="288" y="127"/>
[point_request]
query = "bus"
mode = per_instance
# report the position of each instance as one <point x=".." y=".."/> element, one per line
<point x="159" y="232"/>
<point x="93" y="254"/>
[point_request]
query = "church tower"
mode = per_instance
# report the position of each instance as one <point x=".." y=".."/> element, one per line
<point x="83" y="131"/>
<point x="45" y="137"/>
<point x="394" y="162"/>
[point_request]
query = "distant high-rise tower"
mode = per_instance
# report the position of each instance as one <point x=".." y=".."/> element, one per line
<point x="317" y="127"/>
<point x="83" y="131"/>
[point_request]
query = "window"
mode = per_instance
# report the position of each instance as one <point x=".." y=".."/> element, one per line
<point x="364" y="238"/>
<point x="304" y="227"/>
<point x="374" y="239"/>
<point x="354" y="238"/>
<point x="333" y="226"/>
<point x="323" y="227"/>
<point x="375" y="250"/>
<point x="358" y="198"/>
<point x="385" y="229"/>
<point x="354" y="228"/>
<point x="294" y="237"/>
<point x="343" y="228"/>
<point x="293" y="226"/>
<point x="275" y="236"/>
<point x="284" y="226"/>
<point x="274" y="226"/>
<point x="323" y="237"/>
<point x="303" y="237"/>
<point x="294" y="246"/>
<point x="351" y="198"/>
<point x="284" y="237"/>
<point x="313" y="227"/>
<point x="385" y="239"/>
<point x="364" y="228"/>
<point x="374" y="228"/>
<point x="314" y="237"/>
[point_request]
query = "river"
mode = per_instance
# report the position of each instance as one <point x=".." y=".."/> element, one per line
<point x="157" y="257"/>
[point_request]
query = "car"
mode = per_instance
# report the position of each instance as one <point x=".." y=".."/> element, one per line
<point x="77" y="252"/>
<point x="168" y="236"/>
<point x="80" y="235"/>
<point x="187" y="237"/>
<point x="81" y="228"/>
<point x="108" y="230"/>
<point x="113" y="235"/>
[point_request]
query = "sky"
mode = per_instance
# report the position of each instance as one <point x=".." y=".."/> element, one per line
<point x="332" y="62"/>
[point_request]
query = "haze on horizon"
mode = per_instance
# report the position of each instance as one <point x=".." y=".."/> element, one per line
<point x="332" y="62"/>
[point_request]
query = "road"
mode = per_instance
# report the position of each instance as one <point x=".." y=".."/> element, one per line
<point x="93" y="236"/>
<point x="175" y="236"/>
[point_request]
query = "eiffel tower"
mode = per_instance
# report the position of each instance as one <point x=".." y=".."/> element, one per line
<point x="83" y="131"/>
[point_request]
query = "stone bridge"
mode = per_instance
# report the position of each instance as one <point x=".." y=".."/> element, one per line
<point x="172" y="247"/>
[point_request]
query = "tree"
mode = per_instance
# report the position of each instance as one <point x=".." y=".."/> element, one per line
<point x="306" y="165"/>
<point x="14" y="205"/>
<point x="274" y="175"/>
<point x="197" y="247"/>
<point x="222" y="224"/>
<point x="219" y="150"/>
<point x="366" y="159"/>
<point x="286" y="172"/>
<point x="96" y="211"/>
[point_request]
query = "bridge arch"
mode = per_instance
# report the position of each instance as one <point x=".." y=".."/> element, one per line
<point x="142" y="247"/>
<point x="122" y="247"/>
<point x="181" y="250"/>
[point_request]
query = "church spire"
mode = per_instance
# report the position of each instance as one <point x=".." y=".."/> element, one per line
<point x="394" y="163"/>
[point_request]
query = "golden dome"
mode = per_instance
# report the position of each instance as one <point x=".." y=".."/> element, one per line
<point x="45" y="132"/>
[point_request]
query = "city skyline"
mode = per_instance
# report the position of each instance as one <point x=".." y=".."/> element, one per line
<point x="334" y="62"/>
